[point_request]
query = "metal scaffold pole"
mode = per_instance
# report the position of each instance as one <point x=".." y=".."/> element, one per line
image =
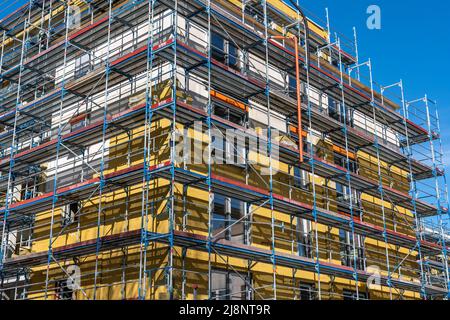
<point x="381" y="187"/>
<point x="9" y="197"/>
<point x="347" y="174"/>
<point x="437" y="163"/>
<point x="103" y="148"/>
<point x="311" y="147"/>
<point x="209" y="150"/>
<point x="173" y="142"/>
<point x="58" y="149"/>
<point x="413" y="192"/>
<point x="269" y="147"/>
<point x="147" y="154"/>
<point x="443" y="206"/>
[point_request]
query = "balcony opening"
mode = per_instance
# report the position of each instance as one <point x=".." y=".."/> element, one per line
<point x="341" y="160"/>
<point x="231" y="114"/>
<point x="348" y="251"/>
<point x="301" y="178"/>
<point x="70" y="214"/>
<point x="83" y="65"/>
<point x="225" y="51"/>
<point x="227" y="219"/>
<point x="351" y="295"/>
<point x="304" y="238"/>
<point x="307" y="292"/>
<point x="339" y="112"/>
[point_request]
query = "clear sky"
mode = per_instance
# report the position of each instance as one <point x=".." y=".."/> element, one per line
<point x="413" y="44"/>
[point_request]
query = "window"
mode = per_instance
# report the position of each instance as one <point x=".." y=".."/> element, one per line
<point x="225" y="51"/>
<point x="346" y="248"/>
<point x="228" y="285"/>
<point x="233" y="56"/>
<point x="226" y="212"/>
<point x="17" y="240"/>
<point x="79" y="121"/>
<point x="229" y="149"/>
<point x="229" y="113"/>
<point x="341" y="161"/>
<point x="361" y="254"/>
<point x="217" y="146"/>
<point x="348" y="252"/>
<point x="306" y="146"/>
<point x="25" y="237"/>
<point x="306" y="292"/>
<point x="342" y="193"/>
<point x="351" y="295"/>
<point x="219" y="285"/>
<point x="62" y="291"/>
<point x="301" y="178"/>
<point x="219" y="210"/>
<point x="70" y="214"/>
<point x="350" y="117"/>
<point x="304" y="238"/>
<point x="333" y="108"/>
<point x="217" y="47"/>
<point x="292" y="85"/>
<point x="343" y="197"/>
<point x="337" y="110"/>
<point x="82" y="65"/>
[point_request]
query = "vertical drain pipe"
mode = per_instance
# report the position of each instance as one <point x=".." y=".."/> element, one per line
<point x="305" y="23"/>
<point x="299" y="101"/>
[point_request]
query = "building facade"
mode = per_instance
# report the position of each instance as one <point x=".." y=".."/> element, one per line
<point x="210" y="150"/>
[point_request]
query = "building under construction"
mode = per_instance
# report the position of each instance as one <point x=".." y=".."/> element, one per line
<point x="342" y="197"/>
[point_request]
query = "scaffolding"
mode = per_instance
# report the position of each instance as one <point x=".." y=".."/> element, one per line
<point x="96" y="191"/>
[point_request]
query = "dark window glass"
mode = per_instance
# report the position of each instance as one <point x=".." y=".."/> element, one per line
<point x="227" y="211"/>
<point x="341" y="161"/>
<point x="70" y="214"/>
<point x="236" y="118"/>
<point x="347" y="253"/>
<point x="306" y="292"/>
<point x="292" y="83"/>
<point x="229" y="114"/>
<point x="333" y="108"/>
<point x="300" y="178"/>
<point x="218" y="47"/>
<point x="340" y="191"/>
<point x="221" y="111"/>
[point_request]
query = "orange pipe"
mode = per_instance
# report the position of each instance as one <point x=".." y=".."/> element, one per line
<point x="299" y="96"/>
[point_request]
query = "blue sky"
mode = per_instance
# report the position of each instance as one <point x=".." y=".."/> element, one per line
<point x="413" y="44"/>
